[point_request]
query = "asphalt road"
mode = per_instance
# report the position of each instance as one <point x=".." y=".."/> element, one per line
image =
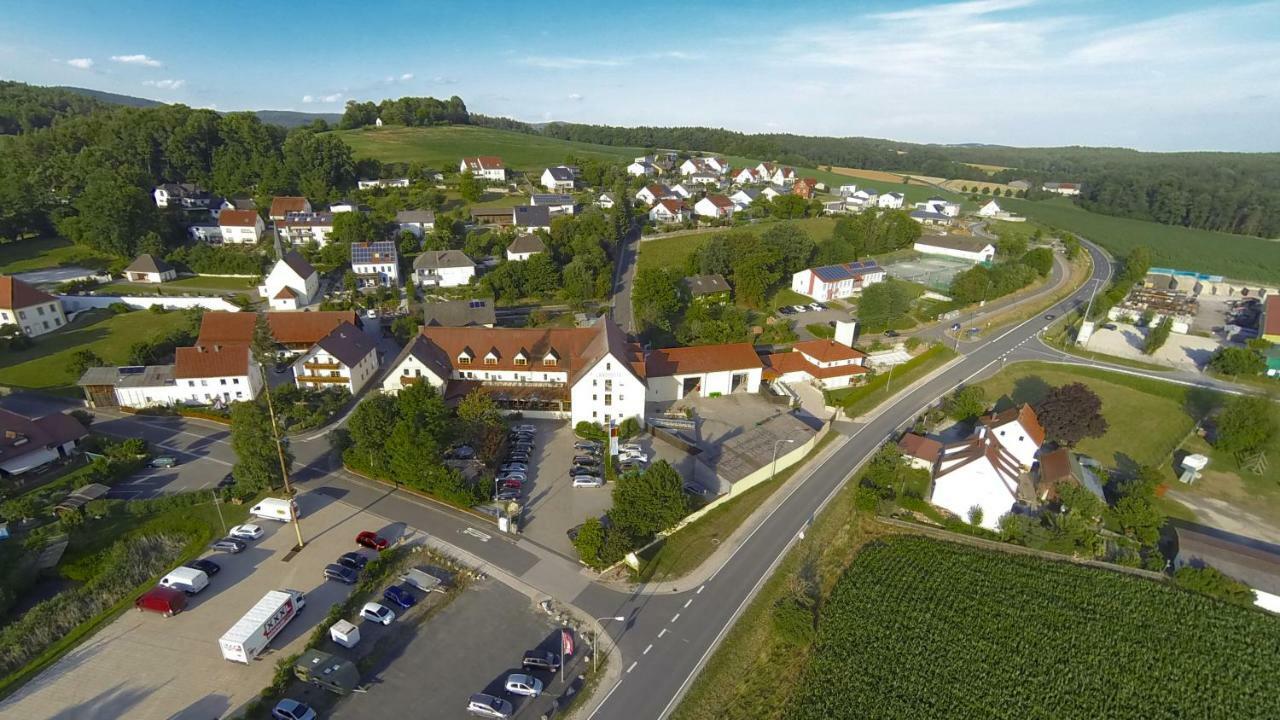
<point x="624" y="276"/>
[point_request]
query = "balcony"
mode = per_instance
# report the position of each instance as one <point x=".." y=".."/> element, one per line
<point x="313" y="365"/>
<point x="323" y="379"/>
<point x="520" y="383"/>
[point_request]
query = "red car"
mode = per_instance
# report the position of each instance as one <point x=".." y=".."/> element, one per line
<point x="371" y="540"/>
<point x="512" y="483"/>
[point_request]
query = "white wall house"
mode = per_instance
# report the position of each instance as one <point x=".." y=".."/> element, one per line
<point x="652" y="193"/>
<point x="488" y="167"/>
<point x="1065" y="189"/>
<point x="743" y="198"/>
<point x="606" y="201"/>
<point x="418" y="222"/>
<point x="283" y="205"/>
<point x="828" y="364"/>
<point x="747" y="176"/>
<point x="705" y="370"/>
<point x="784" y="176"/>
<point x="640" y="169"/>
<point x="376" y="264"/>
<point x="941" y="206"/>
<point x="215" y="373"/>
<point x="525" y="247"/>
<point x="714" y="207"/>
<point x="292" y="283"/>
<point x="35" y="311"/>
<point x="299" y="229"/>
<point x="834" y="282"/>
<point x="669" y="211"/>
<point x="149" y="269"/>
<point x="345" y="358"/>
<point x="1018" y="430"/>
<point x="980" y="473"/>
<point x="384" y="183"/>
<point x="558" y="179"/>
<point x="207" y="232"/>
<point x="443" y="268"/>
<point x="990" y="209"/>
<point x="963" y="248"/>
<point x="891" y="200"/>
<point x="241" y="227"/>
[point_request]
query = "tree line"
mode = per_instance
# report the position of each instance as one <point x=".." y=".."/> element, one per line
<point x="24" y="107"/>
<point x="408" y="111"/>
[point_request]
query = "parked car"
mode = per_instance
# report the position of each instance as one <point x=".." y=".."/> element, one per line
<point x="634" y="456"/>
<point x="517" y="457"/>
<point x="209" y="567"/>
<point x="400" y="595"/>
<point x="526" y="685"/>
<point x="461" y="452"/>
<point x="514" y="467"/>
<point x="627" y="466"/>
<point x="891" y="333"/>
<point x="815" y="306"/>
<point x="507" y="494"/>
<point x="375" y="612"/>
<point x="354" y="560"/>
<point x="800" y="308"/>
<point x="248" y="531"/>
<point x="586" y="445"/>
<point x="227" y="481"/>
<point x="584" y="459"/>
<point x="228" y="545"/>
<point x="695" y="489"/>
<point x="577" y="470"/>
<point x="527" y="429"/>
<point x="1050" y="316"/>
<point x="489" y="706"/>
<point x="630" y="446"/>
<point x="341" y="573"/>
<point x="288" y="709"/>
<point x="587" y="481"/>
<point x="786" y="310"/>
<point x="163" y="461"/>
<point x="540" y="660"/>
<point x="370" y="539"/>
<point x="512" y="484"/>
<point x="514" y="475"/>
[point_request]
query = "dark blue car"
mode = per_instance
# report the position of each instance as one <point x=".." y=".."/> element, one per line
<point x="400" y="595"/>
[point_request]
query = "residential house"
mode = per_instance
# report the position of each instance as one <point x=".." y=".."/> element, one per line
<point x="708" y="288"/>
<point x="773" y="191"/>
<point x="891" y="200"/>
<point x="241" y="227"/>
<point x="835" y="282"/>
<point x="525" y="246"/>
<point x="300" y="229"/>
<point x="766" y="170"/>
<point x="743" y="198"/>
<point x="989" y="209"/>
<point x="683" y="192"/>
<point x="1065" y="189"/>
<point x="929" y="217"/>
<point x="641" y="168"/>
<point x="1020" y="185"/>
<point x="1254" y="562"/>
<point x="292" y="283"/>
<point x="845" y="191"/>
<point x="376" y="264"/>
<point x="476" y="312"/>
<point x="866" y="197"/>
<point x="215" y="374"/>
<point x="488" y="167"/>
<point x="829" y="364"/>
<point x="920" y="452"/>
<point x="28" y="443"/>
<point x="941" y="206"/>
<point x="606" y="201"/>
<point x="418" y="222"/>
<point x="558" y="179"/>
<point x="836" y="207"/>
<point x="957" y="246"/>
<point x="283" y="206"/>
<point x="718" y="165"/>
<point x="443" y="268"/>
<point x="704" y="178"/>
<point x="345" y="358"/>
<point x="652" y="193"/>
<point x="715" y="207"/>
<point x="185" y="196"/>
<point x="747" y="176"/>
<point x="384" y="183"/>
<point x="207" y="232"/>
<point x="585" y="374"/>
<point x="1268" y="324"/>
<point x="556" y="204"/>
<point x="135" y="386"/>
<point x="36" y="312"/>
<point x="784" y="176"/>
<point x="705" y="370"/>
<point x="292" y="331"/>
<point x="345" y="206"/>
<point x="669" y="211"/>
<point x="1062" y="467"/>
<point x="977" y="473"/>
<point x="528" y="218"/>
<point x="147" y="268"/>
<point x="804" y="187"/>
<point x="1018" y="430"/>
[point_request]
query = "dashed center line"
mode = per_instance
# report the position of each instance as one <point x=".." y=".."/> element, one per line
<point x="700" y="587"/>
<point x="646" y="650"/>
<point x="633" y="666"/>
<point x="663" y="632"/>
<point x="687" y="602"/>
<point x="676" y="617"/>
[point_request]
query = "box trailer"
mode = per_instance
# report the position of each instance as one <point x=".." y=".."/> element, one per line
<point x="276" y="509"/>
<point x="421" y="579"/>
<point x="252" y="633"/>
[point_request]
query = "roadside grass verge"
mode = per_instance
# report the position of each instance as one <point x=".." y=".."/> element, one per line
<point x="687" y="548"/>
<point x="1078" y="271"/>
<point x="866" y="397"/>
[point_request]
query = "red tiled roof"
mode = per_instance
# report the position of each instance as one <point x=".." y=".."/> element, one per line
<point x="1024" y="415"/>
<point x="1270" y="315"/>
<point x="575" y="349"/>
<point x="673" y="206"/>
<point x="701" y="358"/>
<point x="720" y="201"/>
<point x="778" y="364"/>
<point x="238" y="218"/>
<point x="286" y="293"/>
<point x="919" y="446"/>
<point x="484" y="162"/>
<point x="15" y="294"/>
<point x="282" y="206"/>
<point x="39" y="433"/>
<point x="289" y="328"/>
<point x="828" y="350"/>
<point x="205" y="361"/>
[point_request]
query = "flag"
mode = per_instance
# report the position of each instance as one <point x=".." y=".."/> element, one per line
<point x="566" y="642"/>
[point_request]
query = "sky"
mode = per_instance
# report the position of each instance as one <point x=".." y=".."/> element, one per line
<point x="1167" y="75"/>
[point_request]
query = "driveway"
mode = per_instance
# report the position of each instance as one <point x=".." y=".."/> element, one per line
<point x="552" y="504"/>
<point x="468" y="647"/>
<point x="145" y="665"/>
<point x="816" y="317"/>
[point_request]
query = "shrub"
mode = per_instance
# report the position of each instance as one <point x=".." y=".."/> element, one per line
<point x="119" y="308"/>
<point x="793" y="621"/>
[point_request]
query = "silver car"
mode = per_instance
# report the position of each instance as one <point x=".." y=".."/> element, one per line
<point x="521" y="684"/>
<point x="488" y="706"/>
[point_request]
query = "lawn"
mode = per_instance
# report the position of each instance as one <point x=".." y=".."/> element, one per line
<point x="880" y="387"/>
<point x="42" y="253"/>
<point x="445" y="146"/>
<point x="198" y="285"/>
<point x="922" y="628"/>
<point x="690" y="546"/>
<point x="45" y="364"/>
<point x="671" y="252"/>
<point x="1239" y="257"/>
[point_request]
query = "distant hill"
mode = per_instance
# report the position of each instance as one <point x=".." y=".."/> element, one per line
<point x="284" y="118"/>
<point x="112" y="98"/>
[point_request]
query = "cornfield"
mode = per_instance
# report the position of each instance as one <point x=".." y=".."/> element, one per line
<point x="917" y="628"/>
<point x="125" y="566"/>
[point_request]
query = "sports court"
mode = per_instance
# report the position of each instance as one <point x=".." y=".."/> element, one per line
<point x="932" y="271"/>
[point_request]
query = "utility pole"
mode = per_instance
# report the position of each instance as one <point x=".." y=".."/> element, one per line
<point x="284" y="467"/>
<point x="1089" y="308"/>
<point x="217" y="503"/>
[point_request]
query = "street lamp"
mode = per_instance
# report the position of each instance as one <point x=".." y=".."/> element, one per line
<point x="618" y="618"/>
<point x="774" y="471"/>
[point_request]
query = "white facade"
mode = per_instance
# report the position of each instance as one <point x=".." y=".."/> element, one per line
<point x="682" y="192"/>
<point x="746" y="176"/>
<point x="605" y="201"/>
<point x="940" y="206"/>
<point x="550" y="182"/>
<point x="810" y="283"/>
<point x="669" y="212"/>
<point x="785" y="177"/>
<point x="327" y="371"/>
<point x="608" y="392"/>
<point x="891" y="201"/>
<point x="668" y="388"/>
<point x="640" y="169"/>
<point x="391" y="182"/>
<point x="488" y="168"/>
<point x="974" y="484"/>
<point x="706" y="208"/>
<point x="742" y="199"/>
<point x="151" y="277"/>
<point x="37" y="319"/>
<point x="445" y="276"/>
<point x="1064" y="189"/>
<point x="302" y="232"/>
<point x="302" y="289"/>
<point x="243" y="234"/>
<point x="1016" y="440"/>
<point x="205" y="233"/>
<point x="990" y="209"/>
<point x="205" y="391"/>
<point x="984" y="254"/>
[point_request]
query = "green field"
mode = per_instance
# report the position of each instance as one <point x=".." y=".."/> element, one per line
<point x="198" y="285"/>
<point x="445" y="146"/>
<point x="1239" y="257"/>
<point x="920" y="628"/>
<point x="45" y="364"/>
<point x="42" y="253"/>
<point x="671" y="252"/>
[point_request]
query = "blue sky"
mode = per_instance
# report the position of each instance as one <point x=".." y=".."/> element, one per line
<point x="1171" y="75"/>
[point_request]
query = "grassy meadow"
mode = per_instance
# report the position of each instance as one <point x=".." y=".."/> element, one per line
<point x="446" y="145"/>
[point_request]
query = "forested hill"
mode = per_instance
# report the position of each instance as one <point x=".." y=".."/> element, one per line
<point x="1227" y="192"/>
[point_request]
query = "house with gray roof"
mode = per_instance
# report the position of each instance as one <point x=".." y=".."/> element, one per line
<point x="525" y="247"/>
<point x="346" y="358"/>
<point x="418" y="222"/>
<point x="149" y="269"/>
<point x="443" y="268"/>
<point x="476" y="312"/>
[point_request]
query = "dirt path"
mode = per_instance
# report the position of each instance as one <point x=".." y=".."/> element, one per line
<point x="1227" y="516"/>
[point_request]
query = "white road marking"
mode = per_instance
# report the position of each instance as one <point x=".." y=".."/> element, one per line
<point x="663" y="632"/>
<point x="646" y="650"/>
<point x="676" y="617"/>
<point x="688" y="602"/>
<point x="476" y="534"/>
<point x="633" y="665"/>
<point x="700" y="587"/>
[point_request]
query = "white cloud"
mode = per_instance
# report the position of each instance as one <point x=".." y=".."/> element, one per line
<point x="310" y="99"/>
<point x="444" y="80"/>
<point x="165" y="84"/>
<point x="81" y="63"/>
<point x="569" y="63"/>
<point x="951" y="12"/>
<point x="575" y="96"/>
<point x="406" y="77"/>
<point x="138" y="59"/>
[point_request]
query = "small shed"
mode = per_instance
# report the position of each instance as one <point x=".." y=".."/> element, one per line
<point x="345" y="633"/>
<point x="327" y="671"/>
<point x="81" y="497"/>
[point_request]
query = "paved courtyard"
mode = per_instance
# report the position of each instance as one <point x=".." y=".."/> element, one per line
<point x="147" y="666"/>
<point x="552" y="504"/>
<point x="1186" y="352"/>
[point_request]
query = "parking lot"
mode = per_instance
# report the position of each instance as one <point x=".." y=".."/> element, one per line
<point x="816" y="317"/>
<point x="146" y="665"/>
<point x="470" y="646"/>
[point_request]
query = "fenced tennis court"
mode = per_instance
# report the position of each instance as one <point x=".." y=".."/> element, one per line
<point x="931" y="271"/>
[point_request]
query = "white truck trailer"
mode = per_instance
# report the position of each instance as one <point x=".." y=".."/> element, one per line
<point x="252" y="633"/>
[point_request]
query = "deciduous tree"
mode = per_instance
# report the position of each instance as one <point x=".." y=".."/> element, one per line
<point x="1070" y="413"/>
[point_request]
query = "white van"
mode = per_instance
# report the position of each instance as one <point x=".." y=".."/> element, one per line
<point x="188" y="580"/>
<point x="276" y="509"/>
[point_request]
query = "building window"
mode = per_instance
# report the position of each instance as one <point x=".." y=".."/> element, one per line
<point x="235" y="381"/>
<point x="549" y="361"/>
<point x="608" y="400"/>
<point x="239" y="394"/>
<point x="521" y="361"/>
<point x="224" y="381"/>
<point x="405" y="371"/>
<point x="608" y="366"/>
<point x="204" y="383"/>
<point x="464" y="360"/>
<point x="191" y="383"/>
<point x="608" y="385"/>
<point x="491" y="360"/>
<point x="40" y="310"/>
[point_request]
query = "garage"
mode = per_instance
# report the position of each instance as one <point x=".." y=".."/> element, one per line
<point x="702" y="371"/>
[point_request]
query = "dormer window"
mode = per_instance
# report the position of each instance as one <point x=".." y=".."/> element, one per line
<point x="522" y="358"/>
<point x="550" y="359"/>
<point x="465" y="357"/>
<point x="491" y="358"/>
